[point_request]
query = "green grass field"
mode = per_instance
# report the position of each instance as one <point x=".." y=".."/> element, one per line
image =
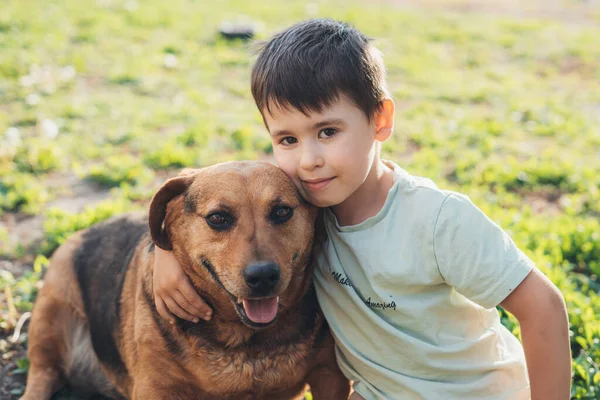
<point x="101" y="101"/>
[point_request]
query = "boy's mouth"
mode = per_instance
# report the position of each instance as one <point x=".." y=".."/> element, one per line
<point x="316" y="184"/>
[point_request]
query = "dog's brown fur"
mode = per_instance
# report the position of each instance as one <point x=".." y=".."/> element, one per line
<point x="95" y="324"/>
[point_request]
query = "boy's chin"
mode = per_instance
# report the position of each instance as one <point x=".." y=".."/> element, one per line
<point x="320" y="202"/>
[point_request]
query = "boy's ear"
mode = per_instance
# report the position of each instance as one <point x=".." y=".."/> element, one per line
<point x="384" y="120"/>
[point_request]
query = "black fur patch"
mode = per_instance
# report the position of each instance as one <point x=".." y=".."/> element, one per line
<point x="306" y="323"/>
<point x="172" y="345"/>
<point x="100" y="265"/>
<point x="189" y="204"/>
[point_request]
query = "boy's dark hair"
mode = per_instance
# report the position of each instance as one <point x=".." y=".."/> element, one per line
<point x="309" y="65"/>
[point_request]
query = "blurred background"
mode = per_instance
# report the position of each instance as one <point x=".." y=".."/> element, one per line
<point x="101" y="101"/>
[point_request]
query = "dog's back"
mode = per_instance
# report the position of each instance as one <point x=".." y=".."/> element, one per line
<point x="82" y="290"/>
<point x="101" y="264"/>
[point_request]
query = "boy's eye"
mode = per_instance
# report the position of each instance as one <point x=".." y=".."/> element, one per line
<point x="288" y="140"/>
<point x="327" y="132"/>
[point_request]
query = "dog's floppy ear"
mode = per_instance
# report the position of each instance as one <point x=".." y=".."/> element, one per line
<point x="158" y="207"/>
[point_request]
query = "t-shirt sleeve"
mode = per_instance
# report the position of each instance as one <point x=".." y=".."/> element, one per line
<point x="474" y="255"/>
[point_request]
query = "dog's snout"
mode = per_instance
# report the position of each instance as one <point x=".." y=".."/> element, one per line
<point x="262" y="277"/>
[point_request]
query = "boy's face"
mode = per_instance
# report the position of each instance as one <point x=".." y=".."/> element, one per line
<point x="328" y="155"/>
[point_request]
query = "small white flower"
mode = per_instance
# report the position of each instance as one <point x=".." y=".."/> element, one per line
<point x="26" y="81"/>
<point x="49" y="87"/>
<point x="13" y="136"/>
<point x="34" y="70"/>
<point x="45" y="74"/>
<point x="452" y="126"/>
<point x="67" y="73"/>
<point x="49" y="128"/>
<point x="516" y="116"/>
<point x="170" y="61"/>
<point x="33" y="99"/>
<point x="179" y="100"/>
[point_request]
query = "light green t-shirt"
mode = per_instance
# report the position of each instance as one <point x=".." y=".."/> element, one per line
<point x="410" y="297"/>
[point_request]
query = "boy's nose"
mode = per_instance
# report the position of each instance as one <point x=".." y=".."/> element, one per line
<point x="311" y="159"/>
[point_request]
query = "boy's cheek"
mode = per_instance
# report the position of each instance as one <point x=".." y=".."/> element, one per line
<point x="291" y="174"/>
<point x="294" y="180"/>
<point x="286" y="164"/>
<point x="299" y="188"/>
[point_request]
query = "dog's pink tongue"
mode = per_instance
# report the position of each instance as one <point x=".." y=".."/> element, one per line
<point x="261" y="311"/>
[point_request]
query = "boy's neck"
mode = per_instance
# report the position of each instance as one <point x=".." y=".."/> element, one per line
<point x="369" y="198"/>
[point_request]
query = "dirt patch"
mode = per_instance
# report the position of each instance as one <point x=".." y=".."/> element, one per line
<point x="548" y="203"/>
<point x="26" y="231"/>
<point x="82" y="193"/>
<point x="11" y="384"/>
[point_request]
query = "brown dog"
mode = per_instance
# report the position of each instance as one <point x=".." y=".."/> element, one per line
<point x="244" y="237"/>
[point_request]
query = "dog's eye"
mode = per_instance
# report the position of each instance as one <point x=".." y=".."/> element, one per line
<point x="281" y="214"/>
<point x="219" y="221"/>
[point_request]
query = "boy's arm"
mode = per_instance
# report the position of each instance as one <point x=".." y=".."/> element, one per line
<point x="173" y="292"/>
<point x="540" y="308"/>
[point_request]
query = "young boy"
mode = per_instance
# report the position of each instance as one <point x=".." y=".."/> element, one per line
<point x="410" y="275"/>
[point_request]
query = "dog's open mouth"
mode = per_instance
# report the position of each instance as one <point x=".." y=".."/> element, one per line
<point x="259" y="311"/>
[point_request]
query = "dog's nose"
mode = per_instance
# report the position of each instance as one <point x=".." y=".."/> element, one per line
<point x="262" y="277"/>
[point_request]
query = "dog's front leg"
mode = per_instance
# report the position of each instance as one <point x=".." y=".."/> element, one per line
<point x="160" y="390"/>
<point x="163" y="381"/>
<point x="145" y="390"/>
<point x="328" y="383"/>
<point x="326" y="380"/>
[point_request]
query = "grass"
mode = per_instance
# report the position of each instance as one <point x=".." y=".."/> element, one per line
<point x="124" y="93"/>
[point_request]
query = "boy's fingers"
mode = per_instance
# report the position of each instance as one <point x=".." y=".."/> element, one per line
<point x="163" y="311"/>
<point x="186" y="305"/>
<point x="195" y="300"/>
<point x="177" y="310"/>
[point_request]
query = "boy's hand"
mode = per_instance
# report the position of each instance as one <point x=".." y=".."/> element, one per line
<point x="173" y="292"/>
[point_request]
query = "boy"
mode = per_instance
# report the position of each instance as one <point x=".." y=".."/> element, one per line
<point x="410" y="275"/>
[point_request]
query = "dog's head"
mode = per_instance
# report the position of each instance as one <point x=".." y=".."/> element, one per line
<point x="242" y="234"/>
